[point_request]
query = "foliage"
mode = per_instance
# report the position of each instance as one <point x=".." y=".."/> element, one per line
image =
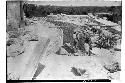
<point x="106" y="42"/>
<point x="31" y="10"/>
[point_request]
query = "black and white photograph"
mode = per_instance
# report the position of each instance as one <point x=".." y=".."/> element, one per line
<point x="63" y="40"/>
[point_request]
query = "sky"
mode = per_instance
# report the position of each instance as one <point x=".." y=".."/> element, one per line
<point x="78" y="3"/>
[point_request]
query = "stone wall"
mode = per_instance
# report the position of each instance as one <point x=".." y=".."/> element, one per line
<point x="14" y="14"/>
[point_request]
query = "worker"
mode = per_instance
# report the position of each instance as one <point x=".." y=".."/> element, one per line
<point x="75" y="41"/>
<point x="87" y="45"/>
<point x="86" y="42"/>
<point x="81" y="41"/>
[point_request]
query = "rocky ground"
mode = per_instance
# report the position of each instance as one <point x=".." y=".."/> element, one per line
<point x="39" y="43"/>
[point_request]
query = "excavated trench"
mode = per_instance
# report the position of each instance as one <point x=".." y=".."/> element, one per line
<point x="46" y="58"/>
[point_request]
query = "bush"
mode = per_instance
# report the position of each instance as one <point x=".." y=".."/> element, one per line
<point x="10" y="42"/>
<point x="106" y="42"/>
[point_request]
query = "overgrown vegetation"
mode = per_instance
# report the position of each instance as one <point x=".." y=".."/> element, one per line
<point x="38" y="11"/>
<point x="106" y="42"/>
